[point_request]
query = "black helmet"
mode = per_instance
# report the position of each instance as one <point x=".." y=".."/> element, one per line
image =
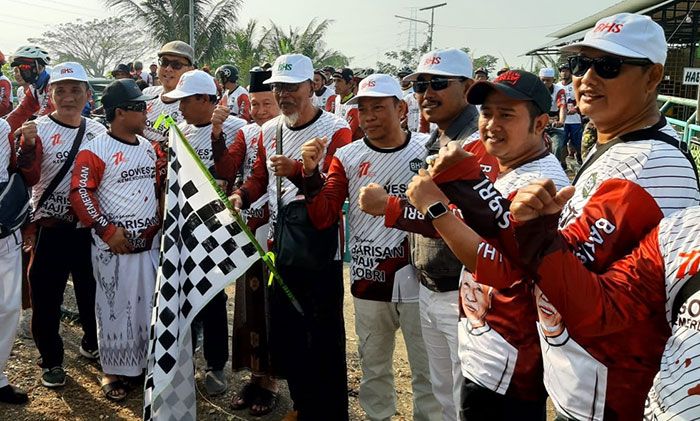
<point x="403" y="72"/>
<point x="227" y="73"/>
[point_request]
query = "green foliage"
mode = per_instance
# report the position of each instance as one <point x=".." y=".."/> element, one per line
<point x="168" y="20"/>
<point x="98" y="44"/>
<point x="400" y="59"/>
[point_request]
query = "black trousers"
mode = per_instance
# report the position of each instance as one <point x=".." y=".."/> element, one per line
<point x="309" y="350"/>
<point x="213" y="320"/>
<point x="480" y="403"/>
<point x="60" y="251"/>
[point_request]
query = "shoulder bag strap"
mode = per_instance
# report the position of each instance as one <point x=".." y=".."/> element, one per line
<point x="66" y="165"/>
<point x="279" y="151"/>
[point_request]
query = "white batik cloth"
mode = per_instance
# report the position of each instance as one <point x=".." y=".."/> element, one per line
<point x="123" y="305"/>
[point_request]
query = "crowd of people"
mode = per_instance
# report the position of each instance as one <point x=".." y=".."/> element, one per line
<point x="531" y="238"/>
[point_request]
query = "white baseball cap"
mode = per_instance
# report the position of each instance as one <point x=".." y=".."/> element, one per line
<point x="377" y="85"/>
<point x="546" y="72"/>
<point x="447" y="62"/>
<point x="193" y="82"/>
<point x="291" y="68"/>
<point x="626" y="35"/>
<point x="68" y="71"/>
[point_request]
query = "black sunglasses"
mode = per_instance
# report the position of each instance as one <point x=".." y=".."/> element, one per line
<point x="607" y="67"/>
<point x="437" y="84"/>
<point x="279" y="87"/>
<point x="139" y="107"/>
<point x="174" y="64"/>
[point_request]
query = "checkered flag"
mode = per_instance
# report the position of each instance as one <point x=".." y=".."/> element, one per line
<point x="204" y="248"/>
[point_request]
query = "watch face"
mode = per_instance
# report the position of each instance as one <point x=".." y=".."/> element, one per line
<point x="436" y="210"/>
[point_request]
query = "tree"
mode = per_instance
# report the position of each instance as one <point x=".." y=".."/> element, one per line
<point x="98" y="44"/>
<point x="244" y="49"/>
<point x="308" y="42"/>
<point x="168" y="20"/>
<point x="401" y="59"/>
<point x="487" y="61"/>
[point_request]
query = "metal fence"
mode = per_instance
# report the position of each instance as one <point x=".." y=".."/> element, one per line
<point x="688" y="130"/>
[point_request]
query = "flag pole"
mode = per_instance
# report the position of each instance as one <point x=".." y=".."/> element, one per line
<point x="269" y="257"/>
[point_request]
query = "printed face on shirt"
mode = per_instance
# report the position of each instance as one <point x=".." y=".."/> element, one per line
<point x="442" y="106"/>
<point x="612" y="102"/>
<point x="168" y="76"/>
<point x="506" y="128"/>
<point x="550" y="319"/>
<point x="380" y="117"/>
<point x="263" y="107"/>
<point x="69" y="96"/>
<point x="475" y="299"/>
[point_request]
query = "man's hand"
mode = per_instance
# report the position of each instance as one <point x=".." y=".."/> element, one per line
<point x="281" y="165"/>
<point x="236" y="201"/>
<point x="218" y="117"/>
<point x="448" y="156"/>
<point x="119" y="243"/>
<point x="29" y="132"/>
<point x="539" y="198"/>
<point x="373" y="199"/>
<point x="312" y="153"/>
<point x="423" y="192"/>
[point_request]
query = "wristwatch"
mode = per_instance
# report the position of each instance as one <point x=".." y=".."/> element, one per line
<point x="436" y="210"/>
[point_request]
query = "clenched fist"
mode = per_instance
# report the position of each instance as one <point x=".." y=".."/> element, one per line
<point x="218" y="117"/>
<point x="448" y="156"/>
<point x="423" y="192"/>
<point x="539" y="198"/>
<point x="29" y="133"/>
<point x="373" y="199"/>
<point x="312" y="153"/>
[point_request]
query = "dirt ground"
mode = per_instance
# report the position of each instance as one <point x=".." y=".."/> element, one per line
<point x="81" y="398"/>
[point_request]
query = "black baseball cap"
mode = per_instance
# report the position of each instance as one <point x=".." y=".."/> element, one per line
<point x="345" y="73"/>
<point x="564" y="66"/>
<point x="516" y="84"/>
<point x="257" y="77"/>
<point x="122" y="91"/>
<point x="320" y="73"/>
<point x="121" y="67"/>
<point x="329" y="69"/>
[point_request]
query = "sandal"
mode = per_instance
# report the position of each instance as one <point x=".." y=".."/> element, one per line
<point x="266" y="400"/>
<point x="114" y="391"/>
<point x="245" y="397"/>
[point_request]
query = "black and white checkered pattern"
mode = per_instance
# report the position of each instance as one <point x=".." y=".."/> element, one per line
<point x="203" y="250"/>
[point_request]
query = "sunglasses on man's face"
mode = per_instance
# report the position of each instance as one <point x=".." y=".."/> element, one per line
<point x="174" y="64"/>
<point x="138" y="107"/>
<point x="607" y="67"/>
<point x="437" y="84"/>
<point x="279" y="87"/>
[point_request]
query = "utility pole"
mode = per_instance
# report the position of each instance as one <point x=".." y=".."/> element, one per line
<point x="432" y="21"/>
<point x="192" y="25"/>
<point x="430" y="24"/>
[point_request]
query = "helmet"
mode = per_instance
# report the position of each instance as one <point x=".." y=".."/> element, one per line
<point x="403" y="72"/>
<point x="31" y="52"/>
<point x="227" y="73"/>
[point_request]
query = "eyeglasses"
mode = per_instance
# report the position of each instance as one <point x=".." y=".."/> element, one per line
<point x="174" y="64"/>
<point x="138" y="107"/>
<point x="607" y="67"/>
<point x="437" y="84"/>
<point x="279" y="87"/>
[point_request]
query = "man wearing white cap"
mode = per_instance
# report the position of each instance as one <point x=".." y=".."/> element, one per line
<point x="204" y="123"/>
<point x="308" y="350"/>
<point x="384" y="283"/>
<point x="441" y="82"/>
<point x="174" y="59"/>
<point x="603" y="362"/>
<point x="48" y="148"/>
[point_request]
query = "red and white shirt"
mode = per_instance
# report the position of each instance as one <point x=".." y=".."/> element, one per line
<point x="5" y="151"/>
<point x="261" y="181"/>
<point x="498" y="342"/>
<point x="156" y="107"/>
<point x="238" y="102"/>
<point x="5" y="95"/>
<point x="591" y="371"/>
<point x="321" y="101"/>
<point x="558" y="98"/>
<point x="351" y="114"/>
<point x="117" y="184"/>
<point x="52" y="146"/>
<point x="380" y="269"/>
<point x="570" y="98"/>
<point x="199" y="137"/>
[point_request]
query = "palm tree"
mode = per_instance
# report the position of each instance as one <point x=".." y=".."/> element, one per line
<point x="244" y="49"/>
<point x="168" y="20"/>
<point x="308" y="42"/>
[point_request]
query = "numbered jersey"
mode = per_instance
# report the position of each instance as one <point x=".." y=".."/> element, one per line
<point x="54" y="142"/>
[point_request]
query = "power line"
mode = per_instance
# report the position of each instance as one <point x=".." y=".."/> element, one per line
<point x="73" y="12"/>
<point x="502" y="27"/>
